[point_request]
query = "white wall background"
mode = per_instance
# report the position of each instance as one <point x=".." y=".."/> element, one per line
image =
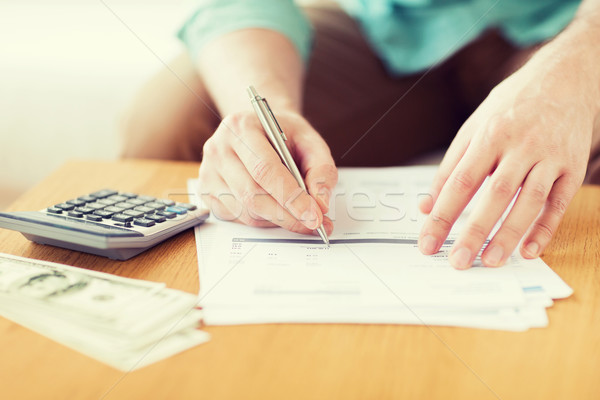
<point x="67" y="70"/>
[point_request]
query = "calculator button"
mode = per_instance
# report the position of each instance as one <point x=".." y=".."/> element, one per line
<point x="166" y="202"/>
<point x="104" y="193"/>
<point x="54" y="210"/>
<point x="92" y="217"/>
<point x="103" y="213"/>
<point x="96" y="206"/>
<point x="87" y="198"/>
<point x="84" y="210"/>
<point x="75" y="214"/>
<point x="76" y="202"/>
<point x="113" y="209"/>
<point x="155" y="205"/>
<point x="125" y="206"/>
<point x="144" y="209"/>
<point x="117" y="198"/>
<point x="134" y="213"/>
<point x="65" y="206"/>
<point x="187" y="206"/>
<point x="156" y="218"/>
<point x="143" y="222"/>
<point x="136" y="202"/>
<point x="167" y="214"/>
<point x="107" y="202"/>
<point x="128" y="195"/>
<point x="177" y="210"/>
<point x="122" y="218"/>
<point x="146" y="198"/>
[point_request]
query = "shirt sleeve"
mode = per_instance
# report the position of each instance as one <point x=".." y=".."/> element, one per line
<point x="213" y="18"/>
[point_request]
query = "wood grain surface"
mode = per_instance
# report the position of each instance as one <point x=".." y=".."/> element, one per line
<point x="310" y="361"/>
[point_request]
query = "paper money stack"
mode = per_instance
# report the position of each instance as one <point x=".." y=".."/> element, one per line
<point x="126" y="323"/>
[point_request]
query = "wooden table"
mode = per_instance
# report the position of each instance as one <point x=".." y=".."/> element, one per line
<point x="310" y="361"/>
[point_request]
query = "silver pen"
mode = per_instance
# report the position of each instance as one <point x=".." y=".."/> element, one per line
<point x="277" y="139"/>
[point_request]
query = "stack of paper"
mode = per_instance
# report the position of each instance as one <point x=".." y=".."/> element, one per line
<point x="372" y="273"/>
<point x="126" y="323"/>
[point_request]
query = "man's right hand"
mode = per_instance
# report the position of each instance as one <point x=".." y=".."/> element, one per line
<point x="242" y="178"/>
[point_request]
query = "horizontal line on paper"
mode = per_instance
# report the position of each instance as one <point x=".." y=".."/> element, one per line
<point x="331" y="241"/>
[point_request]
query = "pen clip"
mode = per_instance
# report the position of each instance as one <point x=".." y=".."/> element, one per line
<point x="274" y="119"/>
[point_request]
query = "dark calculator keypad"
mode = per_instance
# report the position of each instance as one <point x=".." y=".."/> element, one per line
<point x="103" y="213"/>
<point x="168" y="214"/>
<point x="65" y="206"/>
<point x="107" y="202"/>
<point x="144" y="209"/>
<point x="104" y="193"/>
<point x="122" y="218"/>
<point x="177" y="210"/>
<point x="137" y="202"/>
<point x="118" y="198"/>
<point x="146" y="198"/>
<point x="155" y="205"/>
<point x="143" y="222"/>
<point x="76" y="202"/>
<point x="125" y="206"/>
<point x="156" y="218"/>
<point x="133" y="213"/>
<point x="88" y="198"/>
<point x="96" y="206"/>
<point x="111" y="207"/>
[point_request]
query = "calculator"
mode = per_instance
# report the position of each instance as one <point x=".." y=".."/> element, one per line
<point x="109" y="223"/>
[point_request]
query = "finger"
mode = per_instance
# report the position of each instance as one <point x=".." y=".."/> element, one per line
<point x="217" y="196"/>
<point x="496" y="197"/>
<point x="321" y="181"/>
<point x="453" y="155"/>
<point x="223" y="212"/>
<point x="527" y="207"/>
<point x="547" y="222"/>
<point x="317" y="166"/>
<point x="266" y="169"/>
<point x="454" y="196"/>
<point x="254" y="201"/>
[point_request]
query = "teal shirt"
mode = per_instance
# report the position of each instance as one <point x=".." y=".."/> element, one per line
<point x="408" y="35"/>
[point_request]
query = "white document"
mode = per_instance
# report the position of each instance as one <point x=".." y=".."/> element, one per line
<point x="372" y="273"/>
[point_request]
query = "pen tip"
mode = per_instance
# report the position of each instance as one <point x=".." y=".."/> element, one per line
<point x="321" y="232"/>
<point x="251" y="92"/>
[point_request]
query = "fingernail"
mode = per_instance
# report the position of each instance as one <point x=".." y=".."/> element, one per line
<point x="493" y="256"/>
<point x="532" y="248"/>
<point x="310" y="219"/>
<point x="461" y="258"/>
<point x="428" y="244"/>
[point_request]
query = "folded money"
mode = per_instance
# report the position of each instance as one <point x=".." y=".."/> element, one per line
<point x="126" y="323"/>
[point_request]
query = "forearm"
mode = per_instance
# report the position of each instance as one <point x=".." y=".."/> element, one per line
<point x="259" y="57"/>
<point x="574" y="55"/>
